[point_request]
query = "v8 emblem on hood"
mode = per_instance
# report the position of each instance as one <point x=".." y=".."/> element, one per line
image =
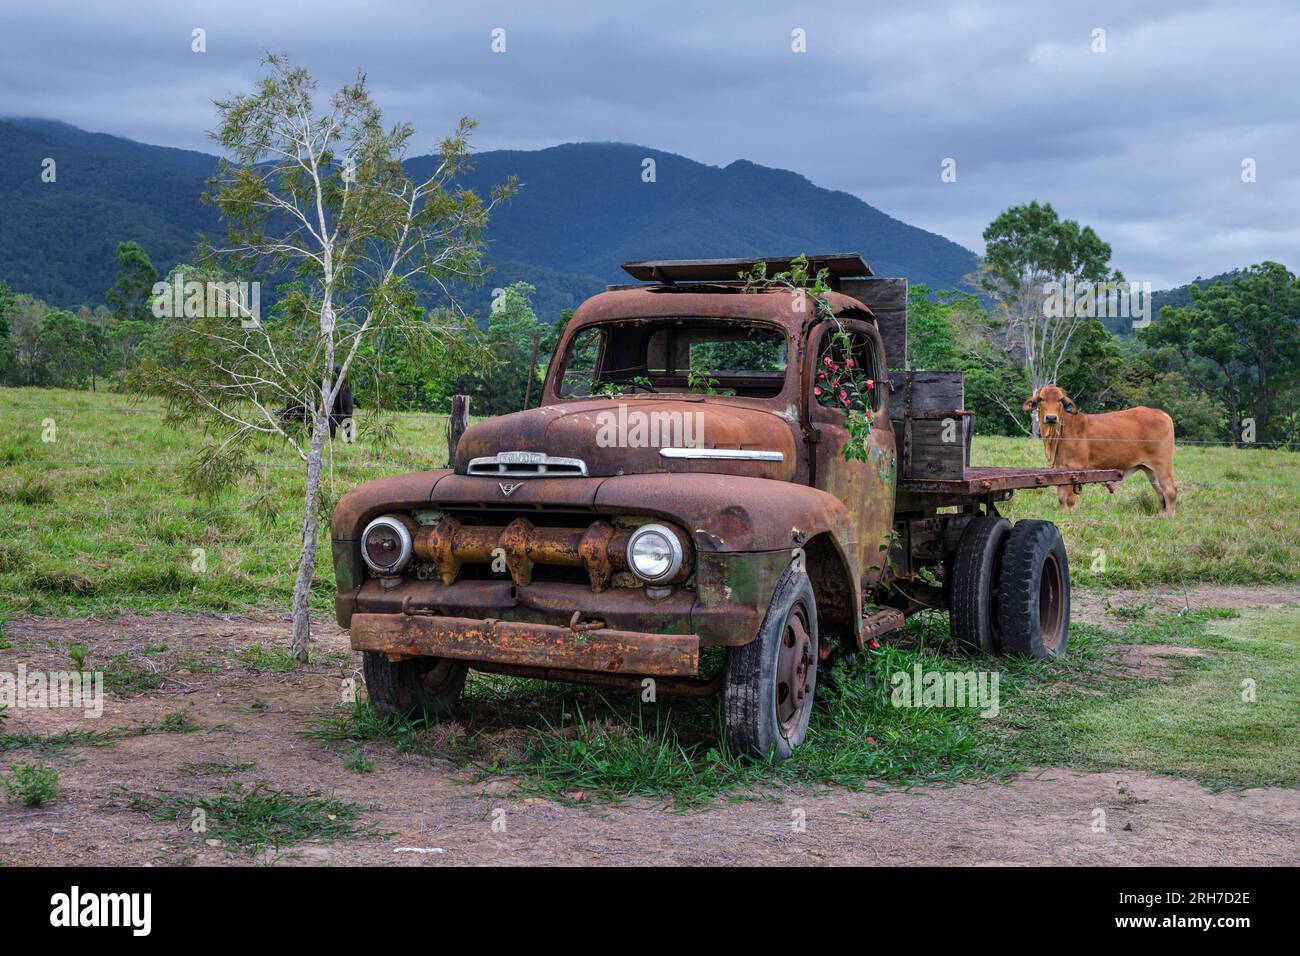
<point x="508" y="490"/>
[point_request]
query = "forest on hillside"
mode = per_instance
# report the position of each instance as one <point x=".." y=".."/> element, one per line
<point x="1225" y="365"/>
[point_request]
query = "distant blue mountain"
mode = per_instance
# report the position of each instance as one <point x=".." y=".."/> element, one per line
<point x="583" y="209"/>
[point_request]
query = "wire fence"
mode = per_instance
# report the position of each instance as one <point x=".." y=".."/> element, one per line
<point x="162" y="412"/>
<point x="53" y="411"/>
<point x="185" y="547"/>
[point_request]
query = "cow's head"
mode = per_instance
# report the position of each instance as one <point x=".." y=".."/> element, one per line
<point x="1053" y="405"/>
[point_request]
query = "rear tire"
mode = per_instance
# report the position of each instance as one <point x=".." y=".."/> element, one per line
<point x="973" y="593"/>
<point x="1034" y="597"/>
<point x="770" y="682"/>
<point x="416" y="687"/>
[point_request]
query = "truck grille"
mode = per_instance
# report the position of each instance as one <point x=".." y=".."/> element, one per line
<point x="599" y="550"/>
<point x="527" y="464"/>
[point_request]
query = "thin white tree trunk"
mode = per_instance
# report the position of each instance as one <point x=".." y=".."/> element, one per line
<point x="301" y="644"/>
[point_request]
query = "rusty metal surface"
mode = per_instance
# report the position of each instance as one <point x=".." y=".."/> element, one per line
<point x="731" y="512"/>
<point x="632" y="684"/>
<point x="865" y="487"/>
<point x="531" y="645"/>
<point x="355" y="509"/>
<point x="599" y="548"/>
<point x="837" y="264"/>
<point x="721" y="512"/>
<point x="717" y="616"/>
<point x="369" y="500"/>
<point x="573" y="428"/>
<point x="881" y="622"/>
<point x="779" y="307"/>
<point x="744" y="521"/>
<point x="980" y="481"/>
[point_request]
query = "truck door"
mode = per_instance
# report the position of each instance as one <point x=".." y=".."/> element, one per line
<point x="865" y="486"/>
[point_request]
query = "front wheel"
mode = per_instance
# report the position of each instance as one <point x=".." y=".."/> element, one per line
<point x="769" y="683"/>
<point x="416" y="687"/>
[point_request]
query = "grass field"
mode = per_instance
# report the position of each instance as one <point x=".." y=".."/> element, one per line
<point x="1234" y="718"/>
<point x="1238" y="519"/>
<point x="99" y="518"/>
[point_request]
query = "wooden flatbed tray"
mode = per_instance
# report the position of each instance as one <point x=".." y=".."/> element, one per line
<point x="982" y="481"/>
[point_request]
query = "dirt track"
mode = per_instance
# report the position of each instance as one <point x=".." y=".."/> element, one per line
<point x="1042" y="817"/>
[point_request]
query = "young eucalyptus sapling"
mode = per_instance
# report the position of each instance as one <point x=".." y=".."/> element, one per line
<point x="317" y="197"/>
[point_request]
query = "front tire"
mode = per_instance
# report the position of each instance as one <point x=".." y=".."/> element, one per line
<point x="1034" y="597"/>
<point x="769" y="684"/>
<point x="420" y="687"/>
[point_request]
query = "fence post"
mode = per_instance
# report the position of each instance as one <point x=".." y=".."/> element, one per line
<point x="532" y="370"/>
<point x="456" y="425"/>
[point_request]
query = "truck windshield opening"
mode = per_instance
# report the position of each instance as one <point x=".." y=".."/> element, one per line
<point x="678" y="354"/>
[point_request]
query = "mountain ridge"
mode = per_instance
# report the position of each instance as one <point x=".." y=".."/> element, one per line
<point x="584" y="208"/>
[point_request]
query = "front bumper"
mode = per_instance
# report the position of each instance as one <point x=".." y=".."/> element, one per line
<point x="521" y="644"/>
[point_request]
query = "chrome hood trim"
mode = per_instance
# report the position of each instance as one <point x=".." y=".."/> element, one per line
<point x="527" y="464"/>
<point x="723" y="454"/>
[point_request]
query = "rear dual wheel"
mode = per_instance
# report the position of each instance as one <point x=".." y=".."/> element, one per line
<point x="976" y="570"/>
<point x="1010" y="588"/>
<point x="1034" y="597"/>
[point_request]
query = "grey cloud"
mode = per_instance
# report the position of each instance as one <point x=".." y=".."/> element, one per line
<point x="1143" y="142"/>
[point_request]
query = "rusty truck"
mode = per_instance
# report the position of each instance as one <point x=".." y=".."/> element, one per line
<point x="681" y="487"/>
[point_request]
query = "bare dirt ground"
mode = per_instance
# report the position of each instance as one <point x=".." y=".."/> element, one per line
<point x="253" y="719"/>
<point x="1092" y="606"/>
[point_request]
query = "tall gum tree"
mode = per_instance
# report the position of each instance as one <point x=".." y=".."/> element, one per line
<point x="1026" y="249"/>
<point x="319" y="196"/>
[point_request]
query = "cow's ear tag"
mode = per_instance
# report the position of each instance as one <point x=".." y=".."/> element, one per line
<point x="1069" y="407"/>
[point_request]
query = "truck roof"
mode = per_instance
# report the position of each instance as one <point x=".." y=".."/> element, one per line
<point x="701" y="300"/>
<point x="839" y="265"/>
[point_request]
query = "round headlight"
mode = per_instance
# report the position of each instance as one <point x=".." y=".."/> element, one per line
<point x="654" y="553"/>
<point x="386" y="545"/>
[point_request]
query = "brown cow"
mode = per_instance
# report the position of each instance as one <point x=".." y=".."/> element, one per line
<point x="1134" y="438"/>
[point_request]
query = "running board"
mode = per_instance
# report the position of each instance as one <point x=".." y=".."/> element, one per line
<point x="881" y="622"/>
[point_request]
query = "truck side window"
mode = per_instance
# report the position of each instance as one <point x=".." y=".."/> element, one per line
<point x="847" y="370"/>
<point x="581" y="367"/>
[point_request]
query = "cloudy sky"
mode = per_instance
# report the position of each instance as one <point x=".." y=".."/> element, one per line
<point x="1144" y="141"/>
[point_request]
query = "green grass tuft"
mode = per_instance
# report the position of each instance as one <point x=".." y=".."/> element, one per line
<point x="276" y="659"/>
<point x="32" y="783"/>
<point x="249" y="820"/>
<point x="178" y="722"/>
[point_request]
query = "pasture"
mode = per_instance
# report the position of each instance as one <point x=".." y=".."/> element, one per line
<point x="99" y="518"/>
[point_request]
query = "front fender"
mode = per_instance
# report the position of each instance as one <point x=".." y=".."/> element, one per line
<point x="733" y="513"/>
<point x="746" y="532"/>
<point x="356" y="509"/>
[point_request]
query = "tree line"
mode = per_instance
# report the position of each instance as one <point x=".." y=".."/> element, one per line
<point x="1225" y="366"/>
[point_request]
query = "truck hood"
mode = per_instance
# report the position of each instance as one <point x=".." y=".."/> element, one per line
<point x="626" y="435"/>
